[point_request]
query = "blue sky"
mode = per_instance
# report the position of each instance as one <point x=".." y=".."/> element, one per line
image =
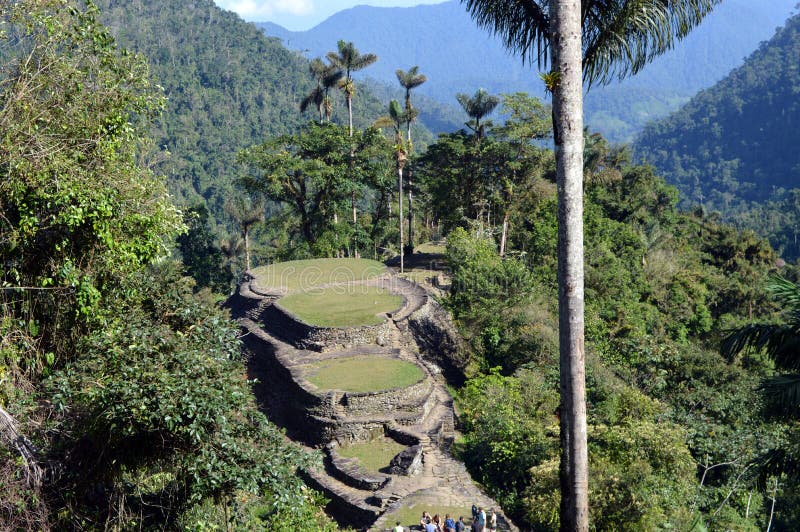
<point x="303" y="14"/>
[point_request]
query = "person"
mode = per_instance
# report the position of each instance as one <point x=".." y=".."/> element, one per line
<point x="481" y="519"/>
<point x="477" y="526"/>
<point x="460" y="525"/>
<point x="399" y="528"/>
<point x="493" y="520"/>
<point x="449" y="524"/>
<point x="437" y="522"/>
<point x="424" y="520"/>
<point x="474" y="513"/>
<point x="430" y="527"/>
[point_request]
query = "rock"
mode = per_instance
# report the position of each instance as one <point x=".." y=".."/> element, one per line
<point x="407" y="462"/>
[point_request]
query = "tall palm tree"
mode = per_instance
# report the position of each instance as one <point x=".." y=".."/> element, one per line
<point x="410" y="80"/>
<point x="348" y="59"/>
<point x="326" y="76"/>
<point x="481" y="104"/>
<point x="396" y="118"/>
<point x="595" y="40"/>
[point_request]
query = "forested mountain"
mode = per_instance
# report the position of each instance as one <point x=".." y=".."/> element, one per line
<point x="733" y="147"/>
<point x="459" y="57"/>
<point x="227" y="86"/>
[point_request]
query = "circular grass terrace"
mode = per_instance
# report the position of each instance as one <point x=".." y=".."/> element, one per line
<point x="301" y="275"/>
<point x="342" y="306"/>
<point x="364" y="374"/>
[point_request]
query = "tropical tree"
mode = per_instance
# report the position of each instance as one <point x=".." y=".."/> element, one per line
<point x="326" y="76"/>
<point x="349" y="60"/>
<point x="409" y="81"/>
<point x="246" y="213"/>
<point x="595" y="40"/>
<point x="478" y="106"/>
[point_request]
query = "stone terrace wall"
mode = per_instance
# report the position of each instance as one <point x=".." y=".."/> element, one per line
<point x="294" y="331"/>
<point x="438" y="339"/>
<point x="365" y="403"/>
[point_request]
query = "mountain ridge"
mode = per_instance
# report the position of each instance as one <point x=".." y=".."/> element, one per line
<point x="431" y="36"/>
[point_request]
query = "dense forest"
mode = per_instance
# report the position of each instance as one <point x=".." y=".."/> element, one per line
<point x="227" y="86"/>
<point x="124" y="401"/>
<point x="732" y="148"/>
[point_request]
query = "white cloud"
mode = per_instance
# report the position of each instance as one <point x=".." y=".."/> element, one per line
<point x="265" y="9"/>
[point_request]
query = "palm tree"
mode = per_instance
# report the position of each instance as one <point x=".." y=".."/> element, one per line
<point x="479" y="105"/>
<point x="349" y="60"/>
<point x="595" y="40"/>
<point x="396" y="118"/>
<point x="410" y="80"/>
<point x="326" y="76"/>
<point x="247" y="213"/>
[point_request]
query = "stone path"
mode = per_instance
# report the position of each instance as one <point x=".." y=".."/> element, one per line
<point x="442" y="481"/>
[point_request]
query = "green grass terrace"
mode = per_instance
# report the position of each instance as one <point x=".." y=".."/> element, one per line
<point x="364" y="374"/>
<point x="300" y="275"/>
<point x="374" y="455"/>
<point x="342" y="306"/>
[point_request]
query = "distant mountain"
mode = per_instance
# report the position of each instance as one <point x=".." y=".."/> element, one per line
<point x="734" y="147"/>
<point x="457" y="56"/>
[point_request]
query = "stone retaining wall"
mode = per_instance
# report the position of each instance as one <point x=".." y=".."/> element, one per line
<point x="439" y="340"/>
<point x="301" y="335"/>
<point x="350" y="471"/>
<point x="384" y="401"/>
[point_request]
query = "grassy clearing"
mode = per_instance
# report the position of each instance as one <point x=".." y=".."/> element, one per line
<point x="342" y="306"/>
<point x="409" y="515"/>
<point x="431" y="247"/>
<point x="364" y="374"/>
<point x="373" y="455"/>
<point x="299" y="275"/>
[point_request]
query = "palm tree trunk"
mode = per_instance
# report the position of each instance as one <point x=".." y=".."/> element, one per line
<point x="568" y="126"/>
<point x="247" y="248"/>
<point x="410" y="209"/>
<point x="350" y="112"/>
<point x="400" y="207"/>
<point x="504" y="235"/>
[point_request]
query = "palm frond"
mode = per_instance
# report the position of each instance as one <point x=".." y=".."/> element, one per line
<point x="315" y="96"/>
<point x="524" y="26"/>
<point x="622" y="36"/>
<point x="411" y="79"/>
<point x="619" y="37"/>
<point x="783" y="394"/>
<point x="755" y="337"/>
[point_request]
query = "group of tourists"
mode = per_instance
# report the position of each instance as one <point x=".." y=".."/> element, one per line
<point x="480" y="522"/>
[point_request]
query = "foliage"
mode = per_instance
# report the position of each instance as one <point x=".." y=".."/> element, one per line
<point x="314" y="173"/>
<point x="126" y="389"/>
<point x="201" y="256"/>
<point x="660" y="286"/>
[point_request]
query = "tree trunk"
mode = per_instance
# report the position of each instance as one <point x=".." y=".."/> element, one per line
<point x="568" y="127"/>
<point x="504" y="235"/>
<point x="247" y="247"/>
<point x="400" y="208"/>
<point x="410" y="209"/>
<point x="350" y="112"/>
